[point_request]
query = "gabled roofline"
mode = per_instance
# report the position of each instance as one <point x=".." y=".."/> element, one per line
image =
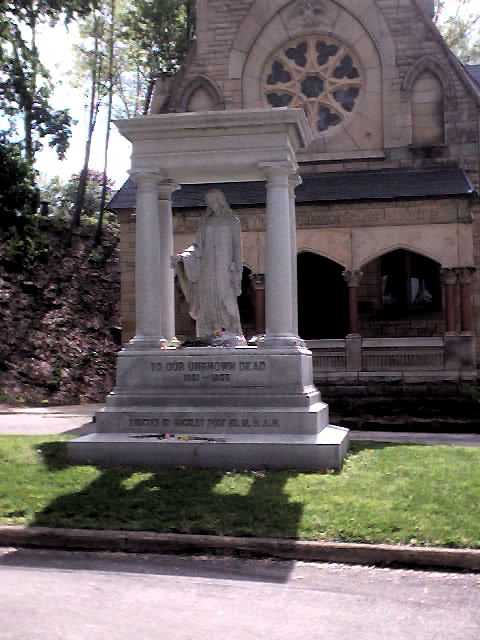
<point x="457" y="65"/>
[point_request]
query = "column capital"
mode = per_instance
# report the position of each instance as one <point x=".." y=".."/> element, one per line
<point x="166" y="189"/>
<point x="448" y="276"/>
<point x="146" y="179"/>
<point x="465" y="274"/>
<point x="258" y="280"/>
<point x="352" y="278"/>
<point x="278" y="169"/>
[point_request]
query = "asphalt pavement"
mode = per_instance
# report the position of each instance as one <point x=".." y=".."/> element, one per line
<point x="72" y="596"/>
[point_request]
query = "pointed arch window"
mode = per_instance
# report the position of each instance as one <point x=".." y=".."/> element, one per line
<point x="427" y="110"/>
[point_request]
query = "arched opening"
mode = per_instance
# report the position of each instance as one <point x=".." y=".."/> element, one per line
<point x="427" y="111"/>
<point x="400" y="295"/>
<point x="322" y="298"/>
<point x="245" y="304"/>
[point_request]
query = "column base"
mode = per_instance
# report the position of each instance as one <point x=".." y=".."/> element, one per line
<point x="145" y="343"/>
<point x="281" y="342"/>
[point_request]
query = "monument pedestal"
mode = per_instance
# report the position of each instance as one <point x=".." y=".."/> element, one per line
<point x="246" y="407"/>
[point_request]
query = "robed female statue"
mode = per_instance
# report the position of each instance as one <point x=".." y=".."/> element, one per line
<point x="210" y="270"/>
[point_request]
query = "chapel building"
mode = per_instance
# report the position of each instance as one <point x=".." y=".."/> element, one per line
<point x="388" y="216"/>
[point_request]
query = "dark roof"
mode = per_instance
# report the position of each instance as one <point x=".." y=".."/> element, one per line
<point x="385" y="184"/>
<point x="474" y="71"/>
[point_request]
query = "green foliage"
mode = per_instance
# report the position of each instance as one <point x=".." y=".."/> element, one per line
<point x="461" y="29"/>
<point x="18" y="196"/>
<point x="153" y="37"/>
<point x="61" y="195"/>
<point x="25" y="247"/>
<point x="25" y="86"/>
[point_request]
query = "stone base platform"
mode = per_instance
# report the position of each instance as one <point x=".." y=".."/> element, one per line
<point x="262" y="451"/>
<point x="214" y="407"/>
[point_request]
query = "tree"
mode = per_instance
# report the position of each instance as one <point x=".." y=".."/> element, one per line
<point x="90" y="56"/>
<point x="25" y="85"/>
<point x="461" y="29"/>
<point x="18" y="196"/>
<point x="61" y="194"/>
<point x="103" y="197"/>
<point x="153" y="38"/>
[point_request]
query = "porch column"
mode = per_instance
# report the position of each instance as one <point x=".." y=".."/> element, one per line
<point x="449" y="279"/>
<point x="279" y="293"/>
<point x="294" y="182"/>
<point x="465" y="276"/>
<point x="352" y="278"/>
<point x="258" y="283"/>
<point x="166" y="275"/>
<point x="148" y="283"/>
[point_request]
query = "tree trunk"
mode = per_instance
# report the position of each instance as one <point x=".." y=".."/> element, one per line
<point x="98" y="232"/>
<point x="92" y="120"/>
<point x="148" y="96"/>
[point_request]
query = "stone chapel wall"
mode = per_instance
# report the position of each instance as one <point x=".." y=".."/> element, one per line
<point x="407" y="79"/>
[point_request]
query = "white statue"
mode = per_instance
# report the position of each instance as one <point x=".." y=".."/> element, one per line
<point x="210" y="270"/>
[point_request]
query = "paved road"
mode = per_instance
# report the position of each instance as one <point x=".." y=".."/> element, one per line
<point x="76" y="596"/>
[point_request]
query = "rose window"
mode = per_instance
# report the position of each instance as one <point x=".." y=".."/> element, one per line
<point x="319" y="74"/>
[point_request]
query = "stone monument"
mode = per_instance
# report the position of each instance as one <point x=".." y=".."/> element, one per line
<point x="224" y="407"/>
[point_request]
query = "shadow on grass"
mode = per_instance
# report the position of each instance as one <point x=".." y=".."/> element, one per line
<point x="201" y="501"/>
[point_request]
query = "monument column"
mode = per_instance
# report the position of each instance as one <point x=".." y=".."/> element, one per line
<point x="258" y="282"/>
<point x="449" y="279"/>
<point x="279" y="294"/>
<point x="352" y="278"/>
<point x="294" y="182"/>
<point x="166" y="274"/>
<point x="148" y="292"/>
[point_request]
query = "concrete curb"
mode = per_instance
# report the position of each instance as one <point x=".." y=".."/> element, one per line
<point x="149" y="542"/>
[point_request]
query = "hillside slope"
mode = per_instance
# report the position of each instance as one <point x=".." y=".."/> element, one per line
<point x="58" y="316"/>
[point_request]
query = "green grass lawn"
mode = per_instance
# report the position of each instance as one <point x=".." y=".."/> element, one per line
<point x="417" y="495"/>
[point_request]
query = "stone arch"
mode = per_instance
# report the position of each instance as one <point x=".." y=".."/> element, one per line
<point x="269" y="25"/>
<point x="400" y="295"/>
<point x="201" y="94"/>
<point x="407" y="247"/>
<point x="450" y="245"/>
<point x="428" y="64"/>
<point x="321" y="254"/>
<point x="334" y="244"/>
<point x="426" y="86"/>
<point x="263" y="12"/>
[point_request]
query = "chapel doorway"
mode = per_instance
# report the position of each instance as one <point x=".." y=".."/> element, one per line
<point x="322" y="298"/>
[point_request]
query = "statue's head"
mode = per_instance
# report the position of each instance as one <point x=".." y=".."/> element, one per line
<point x="216" y="202"/>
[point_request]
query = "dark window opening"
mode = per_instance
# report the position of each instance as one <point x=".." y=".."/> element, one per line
<point x="409" y="283"/>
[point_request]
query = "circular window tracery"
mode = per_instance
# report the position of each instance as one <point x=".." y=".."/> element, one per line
<point x="317" y="73"/>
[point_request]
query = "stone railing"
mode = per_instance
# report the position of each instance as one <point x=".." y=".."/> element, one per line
<point x="447" y="357"/>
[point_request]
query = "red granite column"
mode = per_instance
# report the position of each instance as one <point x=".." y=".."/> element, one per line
<point x="352" y="278"/>
<point x="449" y="279"/>
<point x="258" y="282"/>
<point x="465" y="275"/>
